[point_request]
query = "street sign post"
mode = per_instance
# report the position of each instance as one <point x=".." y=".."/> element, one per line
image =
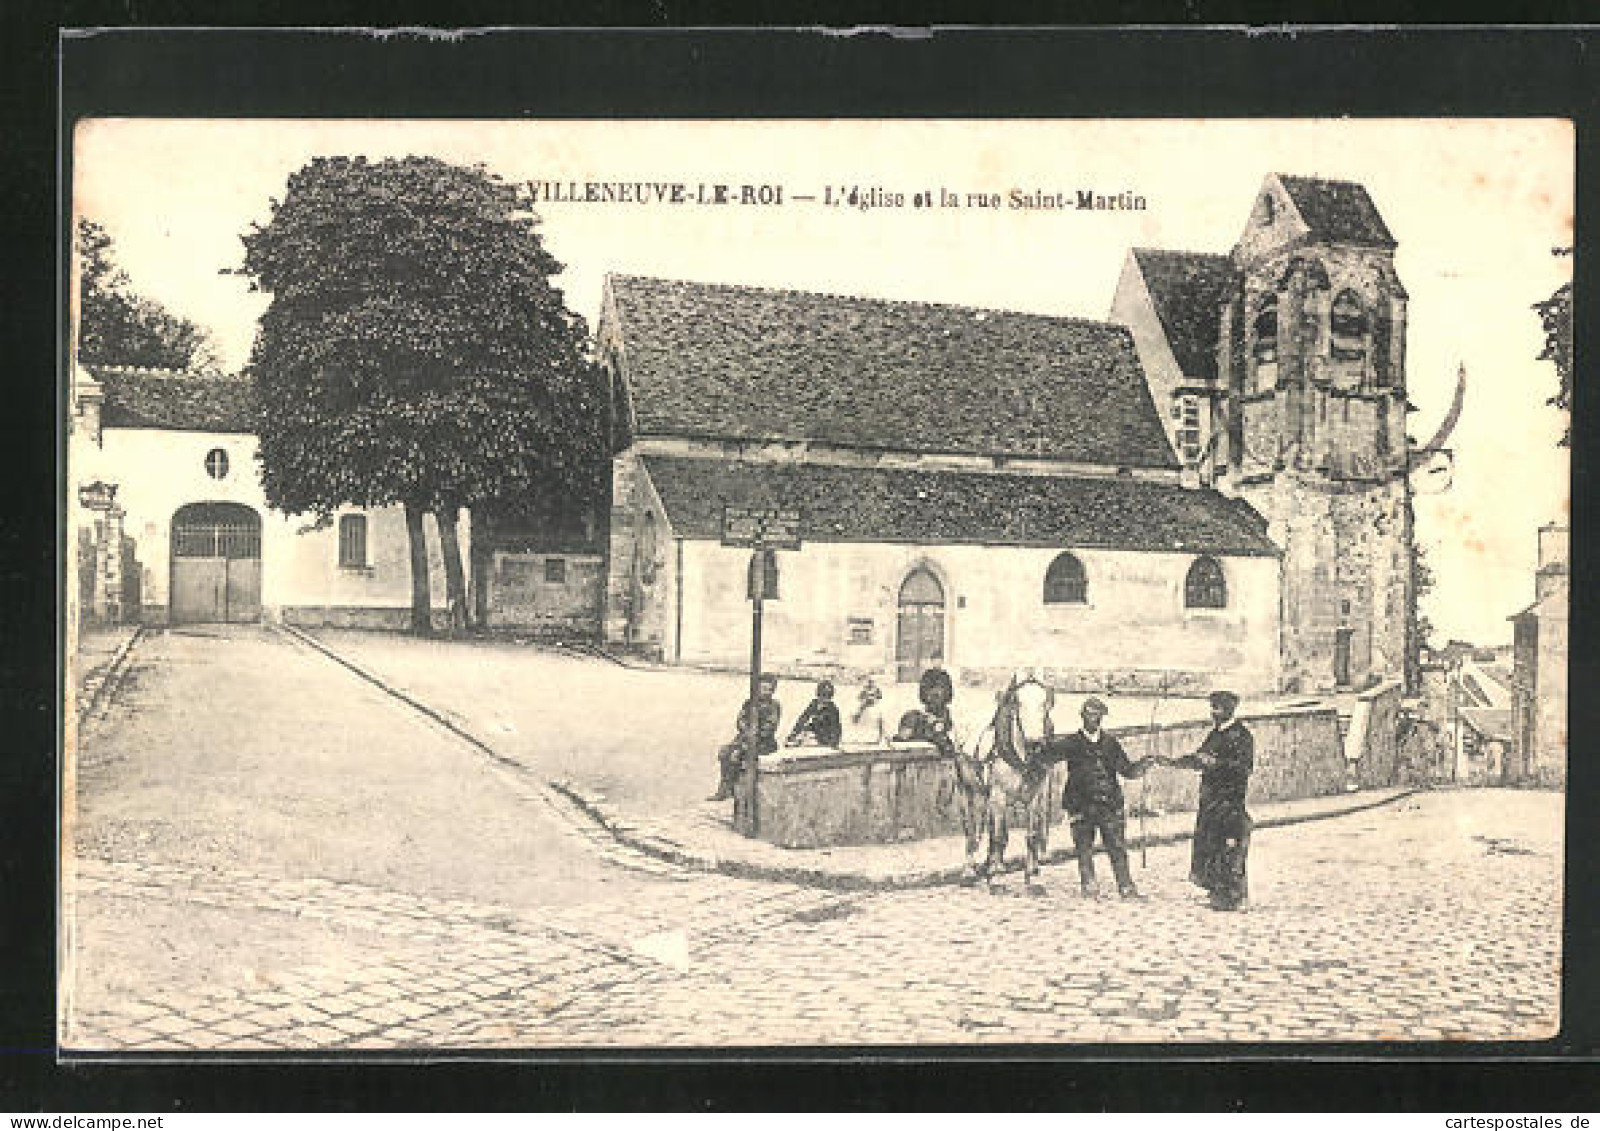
<point x="762" y="530"/>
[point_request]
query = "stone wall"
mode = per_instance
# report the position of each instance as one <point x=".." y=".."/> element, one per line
<point x="811" y="798"/>
<point x="554" y="593"/>
<point x="1375" y="751"/>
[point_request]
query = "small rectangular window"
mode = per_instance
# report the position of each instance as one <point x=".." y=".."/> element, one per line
<point x="555" y="571"/>
<point x="353" y="541"/>
<point x="1189" y="432"/>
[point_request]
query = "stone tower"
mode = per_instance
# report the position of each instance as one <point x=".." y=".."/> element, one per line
<point x="1311" y="356"/>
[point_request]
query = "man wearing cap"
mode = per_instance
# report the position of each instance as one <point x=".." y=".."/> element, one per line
<point x="1093" y="796"/>
<point x="748" y="744"/>
<point x="1222" y="825"/>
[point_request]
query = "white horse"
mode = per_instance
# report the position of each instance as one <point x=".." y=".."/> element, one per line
<point x="1003" y="766"/>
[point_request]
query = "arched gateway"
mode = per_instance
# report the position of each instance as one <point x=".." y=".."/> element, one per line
<point x="920" y="642"/>
<point x="216" y="564"/>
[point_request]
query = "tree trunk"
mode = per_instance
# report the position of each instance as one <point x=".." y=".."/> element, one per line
<point x="455" y="578"/>
<point x="421" y="596"/>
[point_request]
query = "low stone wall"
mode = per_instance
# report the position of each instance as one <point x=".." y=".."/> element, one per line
<point x="813" y="798"/>
<point x="349" y="616"/>
<point x="1376" y="752"/>
<point x="546" y="592"/>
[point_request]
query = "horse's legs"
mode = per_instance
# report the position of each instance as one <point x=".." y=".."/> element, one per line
<point x="1035" y="837"/>
<point x="999" y="833"/>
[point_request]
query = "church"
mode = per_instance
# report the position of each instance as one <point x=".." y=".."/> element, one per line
<point x="1207" y="487"/>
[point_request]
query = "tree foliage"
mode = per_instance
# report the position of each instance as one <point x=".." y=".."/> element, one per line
<point x="415" y="350"/>
<point x="117" y="326"/>
<point x="1555" y="313"/>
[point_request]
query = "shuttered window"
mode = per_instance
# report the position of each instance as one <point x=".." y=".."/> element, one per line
<point x="353" y="541"/>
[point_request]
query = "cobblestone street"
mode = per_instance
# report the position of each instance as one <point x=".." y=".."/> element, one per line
<point x="273" y="855"/>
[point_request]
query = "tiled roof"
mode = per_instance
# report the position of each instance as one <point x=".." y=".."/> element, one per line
<point x="1340" y="211"/>
<point x="847" y="504"/>
<point x="751" y="364"/>
<point x="1490" y="722"/>
<point x="1188" y="290"/>
<point x="164" y="398"/>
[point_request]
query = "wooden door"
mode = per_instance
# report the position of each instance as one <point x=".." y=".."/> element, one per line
<point x="216" y="564"/>
<point x="199" y="590"/>
<point x="919" y="642"/>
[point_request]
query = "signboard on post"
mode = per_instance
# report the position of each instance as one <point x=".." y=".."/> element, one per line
<point x="760" y="530"/>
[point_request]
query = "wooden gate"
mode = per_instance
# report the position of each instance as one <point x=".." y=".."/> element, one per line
<point x="920" y="641"/>
<point x="216" y="564"/>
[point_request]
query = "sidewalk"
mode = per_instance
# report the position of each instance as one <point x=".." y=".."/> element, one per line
<point x="98" y="663"/>
<point x="611" y="786"/>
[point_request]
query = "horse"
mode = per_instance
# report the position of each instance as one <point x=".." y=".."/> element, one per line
<point x="1005" y="767"/>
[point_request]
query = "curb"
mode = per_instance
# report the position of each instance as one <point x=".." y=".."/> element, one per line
<point x="671" y="852"/>
<point x="111" y="678"/>
<point x="675" y="853"/>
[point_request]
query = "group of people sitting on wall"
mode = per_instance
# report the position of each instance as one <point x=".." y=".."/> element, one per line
<point x="1092" y="798"/>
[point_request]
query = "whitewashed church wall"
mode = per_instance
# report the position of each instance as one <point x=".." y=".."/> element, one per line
<point x="838" y="612"/>
<point x="156" y="472"/>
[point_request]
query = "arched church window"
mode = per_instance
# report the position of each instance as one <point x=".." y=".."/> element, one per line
<point x="1205" y="587"/>
<point x="1347" y="324"/>
<point x="1065" y="582"/>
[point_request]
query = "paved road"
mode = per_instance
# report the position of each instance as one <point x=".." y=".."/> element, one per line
<point x="274" y="855"/>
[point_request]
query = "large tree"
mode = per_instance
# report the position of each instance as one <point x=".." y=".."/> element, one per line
<point x="1555" y="313"/>
<point x="416" y="352"/>
<point x="117" y="326"/>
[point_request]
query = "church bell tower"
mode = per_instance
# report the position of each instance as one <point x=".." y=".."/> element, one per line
<point x="1311" y="355"/>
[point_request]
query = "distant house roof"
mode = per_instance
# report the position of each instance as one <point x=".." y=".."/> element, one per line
<point x="1339" y="211"/>
<point x="847" y="504"/>
<point x="164" y="398"/>
<point x="1490" y="722"/>
<point x="745" y="363"/>
<point x="1188" y="290"/>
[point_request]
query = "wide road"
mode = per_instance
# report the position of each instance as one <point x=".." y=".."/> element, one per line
<point x="272" y="854"/>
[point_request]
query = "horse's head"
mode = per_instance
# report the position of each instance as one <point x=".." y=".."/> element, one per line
<point x="1023" y="714"/>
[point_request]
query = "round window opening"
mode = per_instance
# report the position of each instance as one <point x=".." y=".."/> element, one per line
<point x="216" y="463"/>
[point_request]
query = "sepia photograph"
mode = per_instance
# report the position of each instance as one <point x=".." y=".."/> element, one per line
<point x="543" y="584"/>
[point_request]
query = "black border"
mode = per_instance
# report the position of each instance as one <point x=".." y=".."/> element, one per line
<point x="973" y="73"/>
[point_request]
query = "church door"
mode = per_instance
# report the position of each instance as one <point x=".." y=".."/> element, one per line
<point x="216" y="564"/>
<point x="920" y="644"/>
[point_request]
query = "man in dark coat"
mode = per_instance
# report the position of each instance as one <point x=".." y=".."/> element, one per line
<point x="1222" y="825"/>
<point x="1093" y="796"/>
<point x="747" y="743"/>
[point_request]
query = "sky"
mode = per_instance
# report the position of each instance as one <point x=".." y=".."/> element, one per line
<point x="1476" y="205"/>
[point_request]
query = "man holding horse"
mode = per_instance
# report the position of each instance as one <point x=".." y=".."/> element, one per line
<point x="1093" y="796"/>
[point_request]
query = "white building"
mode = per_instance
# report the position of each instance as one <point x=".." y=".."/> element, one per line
<point x="178" y="520"/>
